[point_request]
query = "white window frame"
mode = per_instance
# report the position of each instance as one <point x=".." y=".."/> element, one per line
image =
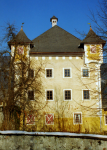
<point x="74" y="117"/>
<point x="34" y="94"/>
<point x="105" y="119"/>
<point x="64" y="72"/>
<point x="64" y="94"/>
<point x="82" y="72"/>
<point x="52" y="73"/>
<point x="53" y="119"/>
<point x="30" y="124"/>
<point x="83" y="95"/>
<point x="46" y="94"/>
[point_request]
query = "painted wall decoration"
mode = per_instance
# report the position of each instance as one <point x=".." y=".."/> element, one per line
<point x="20" y="50"/>
<point x="93" y="49"/>
<point x="93" y="53"/>
<point x="49" y="119"/>
<point x="30" y="119"/>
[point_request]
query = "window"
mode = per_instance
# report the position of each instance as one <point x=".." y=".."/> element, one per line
<point x="49" y="119"/>
<point x="31" y="73"/>
<point x="66" y="72"/>
<point x="49" y="95"/>
<point x="85" y="73"/>
<point x="86" y="94"/>
<point x="48" y="73"/>
<point x="67" y="94"/>
<point x="106" y="119"/>
<point x="30" y="119"/>
<point x="77" y="118"/>
<point x="31" y="95"/>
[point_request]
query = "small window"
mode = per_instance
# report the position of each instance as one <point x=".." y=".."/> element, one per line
<point x="85" y="73"/>
<point x="67" y="94"/>
<point x="86" y="94"/>
<point x="66" y="72"/>
<point x="31" y="95"/>
<point x="31" y="73"/>
<point x="48" y="73"/>
<point x="49" y="95"/>
<point x="30" y="119"/>
<point x="77" y="118"/>
<point x="49" y="119"/>
<point x="106" y="119"/>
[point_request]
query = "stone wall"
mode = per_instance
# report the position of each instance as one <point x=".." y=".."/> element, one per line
<point x="46" y="142"/>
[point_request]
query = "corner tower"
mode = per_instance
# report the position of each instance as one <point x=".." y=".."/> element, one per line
<point x="20" y="45"/>
<point x="93" y="47"/>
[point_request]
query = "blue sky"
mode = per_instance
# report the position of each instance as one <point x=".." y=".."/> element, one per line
<point x="36" y="14"/>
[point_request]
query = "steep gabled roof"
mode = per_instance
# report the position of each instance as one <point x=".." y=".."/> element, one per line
<point x="20" y="38"/>
<point x="92" y="38"/>
<point x="56" y="39"/>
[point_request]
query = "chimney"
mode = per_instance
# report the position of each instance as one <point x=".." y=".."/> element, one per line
<point x="54" y="21"/>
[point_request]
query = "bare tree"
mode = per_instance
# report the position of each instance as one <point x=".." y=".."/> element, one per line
<point x="19" y="84"/>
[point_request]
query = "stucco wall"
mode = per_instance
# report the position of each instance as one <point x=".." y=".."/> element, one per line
<point x="64" y="110"/>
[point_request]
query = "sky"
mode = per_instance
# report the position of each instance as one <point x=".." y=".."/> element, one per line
<point x="36" y="14"/>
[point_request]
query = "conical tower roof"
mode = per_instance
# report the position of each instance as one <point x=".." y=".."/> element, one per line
<point x="92" y="38"/>
<point x="20" y="38"/>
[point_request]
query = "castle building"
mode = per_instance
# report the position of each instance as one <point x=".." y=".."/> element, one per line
<point x="72" y="100"/>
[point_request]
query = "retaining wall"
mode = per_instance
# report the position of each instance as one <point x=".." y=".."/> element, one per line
<point x="51" y="142"/>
